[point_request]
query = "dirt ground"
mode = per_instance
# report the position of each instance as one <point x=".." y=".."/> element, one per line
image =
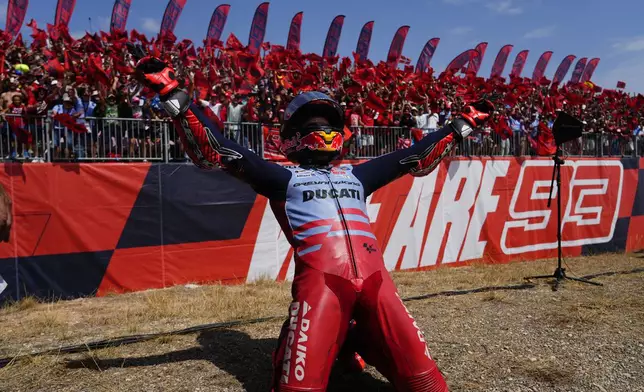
<point x="580" y="338"/>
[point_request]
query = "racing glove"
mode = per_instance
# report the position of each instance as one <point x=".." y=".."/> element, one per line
<point x="478" y="112"/>
<point x="158" y="76"/>
<point x="473" y="116"/>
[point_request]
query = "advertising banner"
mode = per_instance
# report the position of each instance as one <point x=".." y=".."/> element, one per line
<point x="99" y="228"/>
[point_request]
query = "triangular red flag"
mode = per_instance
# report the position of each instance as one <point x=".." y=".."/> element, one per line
<point x="233" y="43"/>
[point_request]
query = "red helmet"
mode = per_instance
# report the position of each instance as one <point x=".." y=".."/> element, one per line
<point x="313" y="129"/>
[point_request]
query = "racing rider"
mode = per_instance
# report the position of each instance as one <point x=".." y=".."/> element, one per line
<point x="340" y="274"/>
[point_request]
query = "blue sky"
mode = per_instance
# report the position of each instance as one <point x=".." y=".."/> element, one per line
<point x="609" y="29"/>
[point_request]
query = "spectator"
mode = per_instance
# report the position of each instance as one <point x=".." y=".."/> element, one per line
<point x="63" y="136"/>
<point x="95" y="72"/>
<point x="234" y="117"/>
<point x="15" y="121"/>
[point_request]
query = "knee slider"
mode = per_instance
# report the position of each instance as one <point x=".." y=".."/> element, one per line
<point x="431" y="381"/>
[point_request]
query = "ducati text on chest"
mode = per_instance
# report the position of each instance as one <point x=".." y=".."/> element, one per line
<point x="330" y="194"/>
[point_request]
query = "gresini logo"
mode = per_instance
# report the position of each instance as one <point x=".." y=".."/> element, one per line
<point x="590" y="202"/>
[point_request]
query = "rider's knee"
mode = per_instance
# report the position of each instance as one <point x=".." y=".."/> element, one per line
<point x="429" y="381"/>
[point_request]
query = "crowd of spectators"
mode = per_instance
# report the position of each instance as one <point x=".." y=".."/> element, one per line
<point x="92" y="80"/>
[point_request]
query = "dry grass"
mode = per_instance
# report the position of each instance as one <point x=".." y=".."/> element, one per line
<point x="29" y="325"/>
<point x="494" y="341"/>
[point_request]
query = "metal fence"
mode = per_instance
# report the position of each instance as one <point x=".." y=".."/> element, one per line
<point x="114" y="139"/>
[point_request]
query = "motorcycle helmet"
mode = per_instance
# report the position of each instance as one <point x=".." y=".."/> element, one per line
<point x="312" y="129"/>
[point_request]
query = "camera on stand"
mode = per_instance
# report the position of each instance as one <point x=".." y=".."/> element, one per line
<point x="566" y="128"/>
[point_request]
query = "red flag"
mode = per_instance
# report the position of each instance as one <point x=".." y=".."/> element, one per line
<point x="202" y="85"/>
<point x="69" y="64"/>
<point x="64" y="12"/>
<point x="365" y="75"/>
<point x="416" y="134"/>
<point x="589" y="70"/>
<point x="120" y="67"/>
<point x="53" y="32"/>
<point x="579" y="70"/>
<point x="136" y="36"/>
<point x="364" y="41"/>
<point x="16" y="11"/>
<point x="254" y="73"/>
<point x="55" y="68"/>
<point x="333" y="37"/>
<point x="96" y="69"/>
<point x="501" y="127"/>
<point x="500" y="61"/>
<point x="120" y="13"/>
<point x="293" y="42"/>
<point x="217" y="22"/>
<point x="17" y="126"/>
<point x="396" y="47"/>
<point x="171" y="16"/>
<point x="519" y="64"/>
<point x="459" y="62"/>
<point x="563" y="68"/>
<point x="64" y="34"/>
<point x="374" y="102"/>
<point x="39" y="38"/>
<point x="70" y="123"/>
<point x="540" y="68"/>
<point x="475" y="64"/>
<point x="19" y="42"/>
<point x="544" y="145"/>
<point x="426" y="55"/>
<point x="272" y="144"/>
<point x="621" y="85"/>
<point x="258" y="28"/>
<point x="233" y="43"/>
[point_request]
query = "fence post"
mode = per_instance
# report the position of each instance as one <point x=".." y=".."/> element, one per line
<point x="637" y="142"/>
<point x="165" y="142"/>
<point x="260" y="132"/>
<point x="49" y="138"/>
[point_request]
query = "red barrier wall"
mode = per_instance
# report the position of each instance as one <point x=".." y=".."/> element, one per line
<point x="97" y="228"/>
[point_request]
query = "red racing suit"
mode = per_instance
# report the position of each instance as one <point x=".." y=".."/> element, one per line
<point x="339" y="270"/>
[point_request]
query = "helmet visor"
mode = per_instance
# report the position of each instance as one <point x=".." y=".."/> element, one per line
<point x="321" y="138"/>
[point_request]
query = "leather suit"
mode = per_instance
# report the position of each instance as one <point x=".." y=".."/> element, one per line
<point x="340" y="273"/>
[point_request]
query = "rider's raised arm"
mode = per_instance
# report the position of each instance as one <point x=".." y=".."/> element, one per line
<point x="208" y="148"/>
<point x="423" y="157"/>
<point x="202" y="138"/>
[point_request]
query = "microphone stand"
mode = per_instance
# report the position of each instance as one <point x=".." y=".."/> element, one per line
<point x="560" y="273"/>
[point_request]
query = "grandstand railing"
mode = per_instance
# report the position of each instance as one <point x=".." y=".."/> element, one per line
<point x="116" y="139"/>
